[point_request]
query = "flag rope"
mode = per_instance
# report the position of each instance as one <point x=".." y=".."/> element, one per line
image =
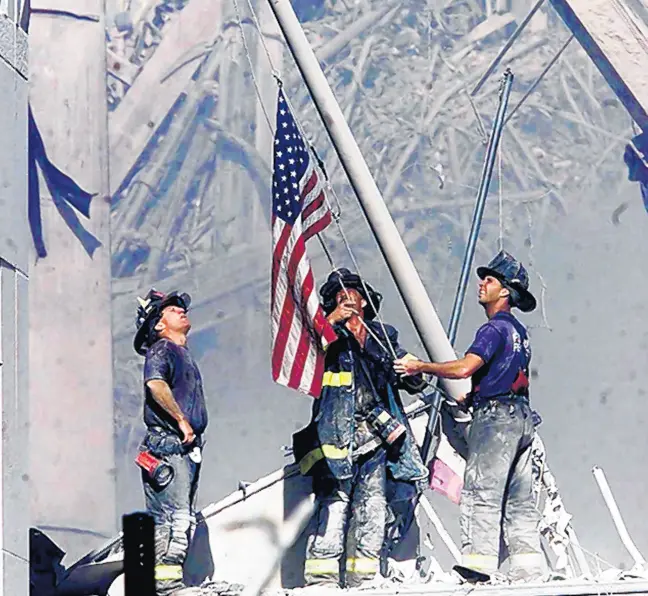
<point x="335" y="216"/>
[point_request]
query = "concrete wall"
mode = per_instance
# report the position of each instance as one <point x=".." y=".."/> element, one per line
<point x="71" y="410"/>
<point x="14" y="255"/>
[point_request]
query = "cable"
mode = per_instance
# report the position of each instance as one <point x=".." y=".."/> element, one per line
<point x="249" y="59"/>
<point x="501" y="195"/>
<point x="389" y="349"/>
<point x="275" y="72"/>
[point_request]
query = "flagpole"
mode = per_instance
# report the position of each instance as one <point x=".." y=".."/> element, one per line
<point x="418" y="303"/>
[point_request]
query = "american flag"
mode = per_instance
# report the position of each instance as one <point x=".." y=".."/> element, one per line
<point x="299" y="210"/>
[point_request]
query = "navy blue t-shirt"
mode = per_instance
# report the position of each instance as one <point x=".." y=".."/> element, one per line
<point x="174" y="364"/>
<point x="503" y="344"/>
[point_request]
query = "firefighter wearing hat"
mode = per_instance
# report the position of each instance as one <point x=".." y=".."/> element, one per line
<point x="497" y="492"/>
<point x="358" y="447"/>
<point x="175" y="415"/>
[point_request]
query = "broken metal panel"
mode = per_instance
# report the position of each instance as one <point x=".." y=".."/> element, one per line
<point x="614" y="33"/>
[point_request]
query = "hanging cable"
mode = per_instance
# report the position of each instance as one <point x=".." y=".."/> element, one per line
<point x="336" y="215"/>
<point x="275" y="72"/>
<point x="501" y="197"/>
<point x="249" y="59"/>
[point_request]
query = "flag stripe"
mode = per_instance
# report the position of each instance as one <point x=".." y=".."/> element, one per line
<point x="299" y="329"/>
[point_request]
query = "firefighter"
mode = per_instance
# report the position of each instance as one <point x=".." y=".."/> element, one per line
<point x="497" y="492"/>
<point x="175" y="415"/>
<point x="358" y="447"/>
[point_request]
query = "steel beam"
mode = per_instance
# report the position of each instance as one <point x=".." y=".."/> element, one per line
<point x="614" y="33"/>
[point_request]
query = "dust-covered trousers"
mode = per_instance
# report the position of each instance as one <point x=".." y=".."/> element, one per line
<point x="497" y="501"/>
<point x="172" y="509"/>
<point x="350" y="517"/>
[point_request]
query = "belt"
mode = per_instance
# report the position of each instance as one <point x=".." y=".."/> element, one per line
<point x="509" y="398"/>
<point x="167" y="442"/>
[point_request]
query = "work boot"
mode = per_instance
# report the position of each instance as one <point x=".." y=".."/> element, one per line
<point x="168" y="587"/>
<point x="187" y="592"/>
<point x="317" y="588"/>
<point x="526" y="576"/>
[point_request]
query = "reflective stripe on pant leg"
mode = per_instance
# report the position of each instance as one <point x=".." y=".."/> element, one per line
<point x="326" y="542"/>
<point x="179" y="543"/>
<point x="168" y="572"/>
<point x="521" y="518"/>
<point x="369" y="520"/>
<point x="530" y="561"/>
<point x="493" y="444"/>
<point x="486" y="563"/>
<point x="366" y="566"/>
<point x="370" y="507"/>
<point x="322" y="567"/>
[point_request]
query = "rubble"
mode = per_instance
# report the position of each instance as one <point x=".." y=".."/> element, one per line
<point x="431" y="50"/>
<point x="402" y="73"/>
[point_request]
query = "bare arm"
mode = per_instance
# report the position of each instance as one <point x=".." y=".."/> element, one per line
<point x="455" y="369"/>
<point x="163" y="395"/>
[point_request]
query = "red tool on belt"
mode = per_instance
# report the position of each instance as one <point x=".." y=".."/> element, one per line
<point x="158" y="470"/>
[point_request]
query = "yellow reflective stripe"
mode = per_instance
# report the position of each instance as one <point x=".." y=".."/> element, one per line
<point x="333" y="379"/>
<point x="481" y="562"/>
<point x="322" y="566"/>
<point x="362" y="565"/>
<point x="168" y="572"/>
<point x="383" y="417"/>
<point x="328" y="451"/>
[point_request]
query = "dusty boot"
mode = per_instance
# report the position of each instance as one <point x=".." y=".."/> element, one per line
<point x="166" y="587"/>
<point x="526" y="576"/>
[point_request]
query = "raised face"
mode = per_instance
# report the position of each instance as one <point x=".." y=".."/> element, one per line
<point x="351" y="298"/>
<point x="491" y="290"/>
<point x="174" y="319"/>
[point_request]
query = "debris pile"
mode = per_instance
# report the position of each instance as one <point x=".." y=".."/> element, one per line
<point x="194" y="210"/>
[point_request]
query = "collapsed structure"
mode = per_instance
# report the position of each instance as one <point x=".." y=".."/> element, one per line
<point x="400" y="164"/>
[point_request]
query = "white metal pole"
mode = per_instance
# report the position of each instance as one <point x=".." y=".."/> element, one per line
<point x="3" y="270"/>
<point x="440" y="528"/>
<point x="599" y="476"/>
<point x="402" y="268"/>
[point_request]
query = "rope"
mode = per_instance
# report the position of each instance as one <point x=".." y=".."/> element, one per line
<point x="336" y="215"/>
<point x="275" y="72"/>
<point x="501" y="195"/>
<point x="249" y="59"/>
<point x="539" y="79"/>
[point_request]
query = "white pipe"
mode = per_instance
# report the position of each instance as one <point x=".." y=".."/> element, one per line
<point x="579" y="555"/>
<point x="402" y="268"/>
<point x="438" y="524"/>
<point x="599" y="476"/>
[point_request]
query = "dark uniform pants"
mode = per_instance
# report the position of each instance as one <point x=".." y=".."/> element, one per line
<point x="497" y="494"/>
<point x="173" y="511"/>
<point x="357" y="504"/>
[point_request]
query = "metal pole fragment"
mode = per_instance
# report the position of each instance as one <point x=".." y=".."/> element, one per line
<point x="604" y="487"/>
<point x="484" y="185"/>
<point x="579" y="555"/>
<point x="507" y="46"/>
<point x="440" y="528"/>
<point x="408" y="282"/>
<point x="539" y="79"/>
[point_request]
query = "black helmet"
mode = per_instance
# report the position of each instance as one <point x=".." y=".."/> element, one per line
<point x="149" y="312"/>
<point x="513" y="276"/>
<point x="343" y="278"/>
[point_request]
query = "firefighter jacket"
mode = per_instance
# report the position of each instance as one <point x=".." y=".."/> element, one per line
<point x="328" y="438"/>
